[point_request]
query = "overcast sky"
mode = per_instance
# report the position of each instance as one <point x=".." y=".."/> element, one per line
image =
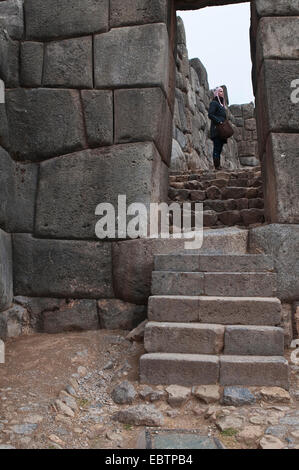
<point x="219" y="37"/>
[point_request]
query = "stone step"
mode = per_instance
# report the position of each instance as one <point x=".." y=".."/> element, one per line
<point x="232" y="284"/>
<point x="198" y="369"/>
<point x="253" y="340"/>
<point x="179" y="369"/>
<point x="215" y="310"/>
<point x="188" y="338"/>
<point x="269" y="371"/>
<point x="214" y="263"/>
<point x="203" y="338"/>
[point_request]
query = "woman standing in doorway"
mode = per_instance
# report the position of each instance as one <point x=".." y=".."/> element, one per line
<point x="217" y="114"/>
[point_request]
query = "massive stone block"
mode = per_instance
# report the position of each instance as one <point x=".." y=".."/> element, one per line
<point x="11" y="17"/>
<point x="280" y="173"/>
<point x="62" y="18"/>
<point x="9" y="60"/>
<point x="98" y="113"/>
<point x="49" y="315"/>
<point x="44" y="123"/>
<point x="143" y="115"/>
<point x="132" y="56"/>
<point x="277" y="38"/>
<point x="116" y="314"/>
<point x="282" y="242"/>
<point x="276" y="112"/>
<point x="72" y="186"/>
<point x="74" y="315"/>
<point x="276" y="8"/>
<point x="132" y="12"/>
<point x="68" y="63"/>
<point x="18" y="184"/>
<point x="61" y="268"/>
<point x="4" y="132"/>
<point x="6" y="282"/>
<point x="32" y="59"/>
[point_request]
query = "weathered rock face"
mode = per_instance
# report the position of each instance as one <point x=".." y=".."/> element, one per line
<point x="282" y="242"/>
<point x="245" y="133"/>
<point x="6" y="289"/>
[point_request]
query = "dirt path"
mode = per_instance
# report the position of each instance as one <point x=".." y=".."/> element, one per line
<point x="39" y="367"/>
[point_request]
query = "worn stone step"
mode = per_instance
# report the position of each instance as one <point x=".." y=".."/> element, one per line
<point x="177" y="283"/>
<point x="253" y="340"/>
<point x="197" y="369"/>
<point x="213" y="263"/>
<point x="188" y="338"/>
<point x="255" y="284"/>
<point x="254" y="371"/>
<point x="179" y="369"/>
<point x="227" y="284"/>
<point x="217" y="310"/>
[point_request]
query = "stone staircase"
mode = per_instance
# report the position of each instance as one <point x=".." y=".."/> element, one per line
<point x="214" y="319"/>
<point x="229" y="197"/>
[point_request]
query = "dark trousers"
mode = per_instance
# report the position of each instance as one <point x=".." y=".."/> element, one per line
<point x="218" y="145"/>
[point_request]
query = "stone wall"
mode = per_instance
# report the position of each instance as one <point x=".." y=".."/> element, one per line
<point x="192" y="147"/>
<point x="89" y="90"/>
<point x="74" y="133"/>
<point x="246" y="134"/>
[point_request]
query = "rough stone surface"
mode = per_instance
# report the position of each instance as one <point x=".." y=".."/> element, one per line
<point x="277" y="37"/>
<point x="280" y="166"/>
<point x="183" y="338"/>
<point x="43" y="122"/>
<point x="13" y="322"/>
<point x="275" y="110"/>
<point x="62" y="268"/>
<point x="137" y="12"/>
<point x="73" y="315"/>
<point x="229" y="284"/>
<point x="124" y="393"/>
<point x="237" y="396"/>
<point x="277" y="8"/>
<point x="140" y="415"/>
<point x="18" y="184"/>
<point x="177" y="395"/>
<point x="207" y="393"/>
<point x="98" y="113"/>
<point x="179" y="369"/>
<point x="9" y="60"/>
<point x="68" y="63"/>
<point x="140" y="176"/>
<point x="154" y="124"/>
<point x="250" y="434"/>
<point x="131" y="56"/>
<point x="172" y="283"/>
<point x="254" y="370"/>
<point x="279" y="240"/>
<point x="6" y="281"/>
<point x="253" y="340"/>
<point x="117" y="314"/>
<point x="11" y="16"/>
<point x="275" y="395"/>
<point x="271" y="442"/>
<point x="58" y="18"/>
<point x="32" y="57"/>
<point x="230" y="422"/>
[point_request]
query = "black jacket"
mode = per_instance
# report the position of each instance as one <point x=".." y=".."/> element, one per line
<point x="217" y="114"/>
